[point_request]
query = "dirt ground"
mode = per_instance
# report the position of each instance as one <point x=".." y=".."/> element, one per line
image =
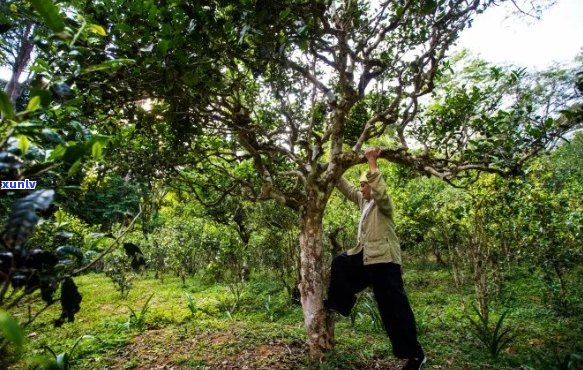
<point x="175" y="350"/>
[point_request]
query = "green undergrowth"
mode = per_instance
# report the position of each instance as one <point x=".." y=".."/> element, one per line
<point x="204" y="326"/>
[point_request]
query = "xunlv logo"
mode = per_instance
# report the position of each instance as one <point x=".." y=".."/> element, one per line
<point x="22" y="184"/>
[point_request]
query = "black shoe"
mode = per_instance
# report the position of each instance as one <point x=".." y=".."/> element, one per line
<point x="415" y="363"/>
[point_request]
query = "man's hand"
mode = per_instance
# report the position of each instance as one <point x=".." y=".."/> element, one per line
<point x="371" y="155"/>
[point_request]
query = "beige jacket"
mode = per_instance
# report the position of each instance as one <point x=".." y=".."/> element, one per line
<point x="379" y="241"/>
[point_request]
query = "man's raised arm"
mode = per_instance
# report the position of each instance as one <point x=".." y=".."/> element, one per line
<point x="377" y="183"/>
<point x="350" y="191"/>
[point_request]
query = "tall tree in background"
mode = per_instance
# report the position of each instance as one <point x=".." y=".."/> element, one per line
<point x="17" y="31"/>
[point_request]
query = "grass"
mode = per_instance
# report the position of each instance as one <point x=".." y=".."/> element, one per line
<point x="266" y="331"/>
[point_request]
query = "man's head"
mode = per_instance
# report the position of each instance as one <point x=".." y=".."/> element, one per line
<point x="365" y="187"/>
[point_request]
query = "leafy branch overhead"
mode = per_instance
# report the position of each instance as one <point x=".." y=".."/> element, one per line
<point x="295" y="91"/>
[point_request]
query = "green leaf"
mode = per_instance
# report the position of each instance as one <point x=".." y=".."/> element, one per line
<point x="66" y="251"/>
<point x="74" y="153"/>
<point x="109" y="65"/>
<point x="23" y="144"/>
<point x="103" y="139"/>
<point x="429" y="7"/>
<point x="84" y="131"/>
<point x="50" y="14"/>
<point x="97" y="150"/>
<point x="40" y="65"/>
<point x="6" y="105"/>
<point x="10" y="329"/>
<point x="97" y="29"/>
<point x="43" y="95"/>
<point x="58" y="153"/>
<point x="33" y="103"/>
<point x="28" y="128"/>
<point x="303" y="44"/>
<point x="62" y="360"/>
<point x="163" y="46"/>
<point x="52" y="136"/>
<point x="36" y="68"/>
<point x="146" y="305"/>
<point x="399" y="11"/>
<point x="75" y="168"/>
<point x="60" y="217"/>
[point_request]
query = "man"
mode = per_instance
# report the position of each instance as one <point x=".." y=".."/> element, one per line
<point x="376" y="261"/>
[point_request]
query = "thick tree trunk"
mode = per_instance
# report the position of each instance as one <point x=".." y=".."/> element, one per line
<point x="319" y="325"/>
<point x="20" y="63"/>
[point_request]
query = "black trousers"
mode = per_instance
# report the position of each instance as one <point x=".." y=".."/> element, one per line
<point x="350" y="276"/>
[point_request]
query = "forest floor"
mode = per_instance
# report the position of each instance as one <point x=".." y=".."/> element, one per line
<point x="204" y="326"/>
